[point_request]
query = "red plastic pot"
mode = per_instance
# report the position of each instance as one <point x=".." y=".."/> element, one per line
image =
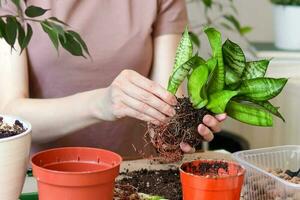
<point x="76" y="173"/>
<point x="223" y="187"/>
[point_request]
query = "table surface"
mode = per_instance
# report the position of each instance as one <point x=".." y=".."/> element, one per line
<point x="31" y="186"/>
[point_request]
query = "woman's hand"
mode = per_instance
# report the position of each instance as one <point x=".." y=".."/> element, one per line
<point x="133" y="95"/>
<point x="210" y="125"/>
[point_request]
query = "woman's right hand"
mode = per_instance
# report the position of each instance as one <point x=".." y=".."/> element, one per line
<point x="133" y="95"/>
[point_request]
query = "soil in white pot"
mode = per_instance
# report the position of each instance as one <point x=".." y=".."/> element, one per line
<point x="7" y="130"/>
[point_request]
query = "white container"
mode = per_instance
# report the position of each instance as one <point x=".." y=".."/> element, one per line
<point x="261" y="185"/>
<point x="14" y="157"/>
<point x="287" y="27"/>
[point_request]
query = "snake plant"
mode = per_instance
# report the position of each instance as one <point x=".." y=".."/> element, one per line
<point x="226" y="82"/>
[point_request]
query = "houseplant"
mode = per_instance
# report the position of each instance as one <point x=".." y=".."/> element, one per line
<point x="16" y="31"/>
<point x="226" y="82"/>
<point x="286" y="15"/>
<point x="15" y="134"/>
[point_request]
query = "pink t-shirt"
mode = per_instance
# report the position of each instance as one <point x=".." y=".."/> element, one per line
<point x="119" y="34"/>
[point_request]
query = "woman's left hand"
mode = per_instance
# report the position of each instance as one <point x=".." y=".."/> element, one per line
<point x="210" y="125"/>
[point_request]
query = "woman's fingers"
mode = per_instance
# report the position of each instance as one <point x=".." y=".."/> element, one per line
<point x="212" y="123"/>
<point x="143" y="108"/>
<point x="205" y="133"/>
<point x="221" y="117"/>
<point x="186" y="148"/>
<point x="153" y="88"/>
<point x="148" y="98"/>
<point x="130" y="112"/>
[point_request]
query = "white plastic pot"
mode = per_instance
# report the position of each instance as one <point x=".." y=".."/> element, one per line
<point x="14" y="157"/>
<point x="287" y="27"/>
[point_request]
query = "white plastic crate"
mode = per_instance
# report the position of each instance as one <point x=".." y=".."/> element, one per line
<point x="261" y="185"/>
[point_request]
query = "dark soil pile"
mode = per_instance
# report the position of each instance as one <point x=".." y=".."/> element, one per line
<point x="165" y="183"/>
<point x="182" y="127"/>
<point x="7" y="130"/>
<point x="207" y="169"/>
<point x="288" y="175"/>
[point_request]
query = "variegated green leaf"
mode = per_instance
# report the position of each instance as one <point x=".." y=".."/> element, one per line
<point x="215" y="40"/>
<point x="255" y="69"/>
<point x="180" y="74"/>
<point x="262" y="89"/>
<point x="234" y="57"/>
<point x="249" y="114"/>
<point x="231" y="77"/>
<point x="266" y="105"/>
<point x="196" y="83"/>
<point x="184" y="50"/>
<point x="218" y="101"/>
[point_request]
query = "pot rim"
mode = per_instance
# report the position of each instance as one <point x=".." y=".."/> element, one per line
<point x="241" y="173"/>
<point x="26" y="124"/>
<point x="118" y="163"/>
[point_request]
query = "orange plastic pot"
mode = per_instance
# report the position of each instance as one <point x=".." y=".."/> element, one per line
<point x="223" y="187"/>
<point x="76" y="173"/>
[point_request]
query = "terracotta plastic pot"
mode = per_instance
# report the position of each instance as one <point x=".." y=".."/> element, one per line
<point x="226" y="186"/>
<point x="76" y="173"/>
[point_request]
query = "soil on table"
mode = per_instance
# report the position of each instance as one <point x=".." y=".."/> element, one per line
<point x="165" y="183"/>
<point x="7" y="130"/>
<point x="288" y="175"/>
<point x="166" y="138"/>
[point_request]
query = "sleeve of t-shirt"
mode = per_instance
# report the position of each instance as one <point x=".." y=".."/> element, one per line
<point x="171" y="17"/>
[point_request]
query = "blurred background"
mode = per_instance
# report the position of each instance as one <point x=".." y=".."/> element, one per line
<point x="261" y="22"/>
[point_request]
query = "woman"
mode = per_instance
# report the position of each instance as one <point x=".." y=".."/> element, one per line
<point x="71" y="101"/>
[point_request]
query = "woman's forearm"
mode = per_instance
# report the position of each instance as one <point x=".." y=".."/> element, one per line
<point x="54" y="118"/>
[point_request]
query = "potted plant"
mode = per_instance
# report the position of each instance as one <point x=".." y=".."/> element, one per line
<point x="15" y="133"/>
<point x="15" y="140"/>
<point x="225" y="82"/>
<point x="286" y="15"/>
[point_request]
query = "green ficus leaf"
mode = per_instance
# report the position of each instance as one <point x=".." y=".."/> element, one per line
<point x="27" y="37"/>
<point x="262" y="89"/>
<point x="52" y="33"/>
<point x="11" y="30"/>
<point x="232" y="19"/>
<point x="249" y="114"/>
<point x="196" y="83"/>
<point x="71" y="45"/>
<point x="80" y="40"/>
<point x="184" y="50"/>
<point x="207" y="3"/>
<point x="17" y="3"/>
<point x="34" y="11"/>
<point x="180" y="74"/>
<point x="234" y="57"/>
<point x="215" y="40"/>
<point x="218" y="101"/>
<point x="57" y="20"/>
<point x="255" y="69"/>
<point x="21" y="34"/>
<point x="2" y="28"/>
<point x="245" y="29"/>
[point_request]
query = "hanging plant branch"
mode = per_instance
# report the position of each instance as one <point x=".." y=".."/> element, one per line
<point x="15" y="27"/>
<point x="226" y="19"/>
